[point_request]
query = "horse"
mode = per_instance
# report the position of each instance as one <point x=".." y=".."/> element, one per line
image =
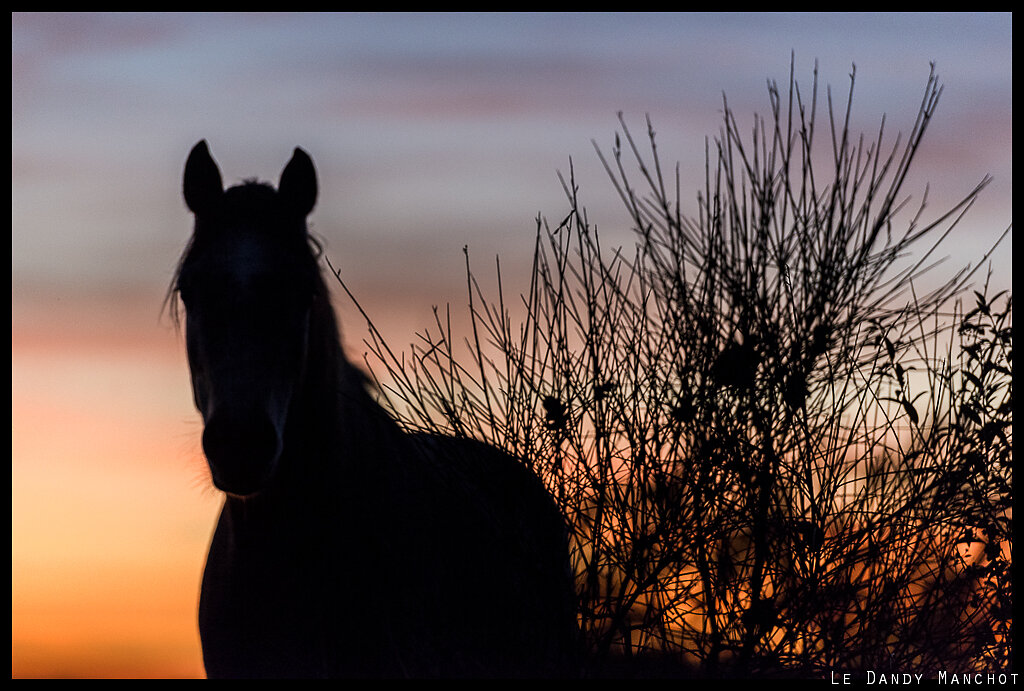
<point x="346" y="545"/>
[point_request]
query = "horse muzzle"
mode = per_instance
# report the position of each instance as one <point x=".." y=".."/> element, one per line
<point x="242" y="452"/>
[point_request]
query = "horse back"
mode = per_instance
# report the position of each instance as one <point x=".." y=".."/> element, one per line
<point x="499" y="546"/>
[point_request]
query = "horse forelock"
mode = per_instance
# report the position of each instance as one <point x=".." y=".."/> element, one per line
<point x="251" y="198"/>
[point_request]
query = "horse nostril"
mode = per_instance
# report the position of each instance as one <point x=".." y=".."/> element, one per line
<point x="242" y="452"/>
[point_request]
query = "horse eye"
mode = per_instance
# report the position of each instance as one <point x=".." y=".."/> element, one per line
<point x="188" y="292"/>
<point x="183" y="292"/>
<point x="294" y="294"/>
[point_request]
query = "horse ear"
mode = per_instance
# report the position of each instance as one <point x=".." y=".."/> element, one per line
<point x="298" y="183"/>
<point x="202" y="184"/>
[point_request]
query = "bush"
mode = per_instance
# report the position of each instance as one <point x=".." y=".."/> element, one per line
<point x="777" y="455"/>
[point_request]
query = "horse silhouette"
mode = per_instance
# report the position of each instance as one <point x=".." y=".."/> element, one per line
<point x="346" y="546"/>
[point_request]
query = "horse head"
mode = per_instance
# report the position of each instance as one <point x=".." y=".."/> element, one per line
<point x="247" y="281"/>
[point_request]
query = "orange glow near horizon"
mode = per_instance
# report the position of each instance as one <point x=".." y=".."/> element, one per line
<point x="109" y="513"/>
<point x="112" y="509"/>
<point x="111" y="505"/>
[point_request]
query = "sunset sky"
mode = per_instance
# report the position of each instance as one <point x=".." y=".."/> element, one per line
<point x="429" y="133"/>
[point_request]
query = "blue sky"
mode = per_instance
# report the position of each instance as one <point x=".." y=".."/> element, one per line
<point x="431" y="132"/>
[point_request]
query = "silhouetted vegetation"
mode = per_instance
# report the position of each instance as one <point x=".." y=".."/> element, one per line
<point x="778" y="451"/>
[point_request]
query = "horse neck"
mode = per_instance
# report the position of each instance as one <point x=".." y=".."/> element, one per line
<point x="331" y="415"/>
